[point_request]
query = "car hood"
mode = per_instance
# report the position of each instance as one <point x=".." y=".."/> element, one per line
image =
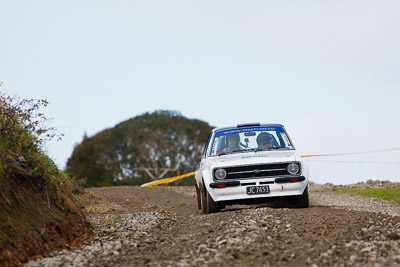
<point x="252" y="158"/>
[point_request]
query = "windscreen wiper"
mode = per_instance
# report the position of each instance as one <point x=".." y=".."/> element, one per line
<point x="230" y="152"/>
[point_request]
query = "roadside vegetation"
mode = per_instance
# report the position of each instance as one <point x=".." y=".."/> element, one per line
<point x="389" y="192"/>
<point x="37" y="210"/>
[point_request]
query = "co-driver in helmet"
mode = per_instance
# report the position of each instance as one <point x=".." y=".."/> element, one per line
<point x="265" y="140"/>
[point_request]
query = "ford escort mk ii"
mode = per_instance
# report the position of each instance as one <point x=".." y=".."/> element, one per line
<point x="250" y="164"/>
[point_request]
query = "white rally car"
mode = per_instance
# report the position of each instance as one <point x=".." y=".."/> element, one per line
<point x="250" y="164"/>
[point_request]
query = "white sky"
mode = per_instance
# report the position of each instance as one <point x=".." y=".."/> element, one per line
<point x="328" y="70"/>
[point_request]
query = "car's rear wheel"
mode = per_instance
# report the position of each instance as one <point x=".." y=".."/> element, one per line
<point x="303" y="201"/>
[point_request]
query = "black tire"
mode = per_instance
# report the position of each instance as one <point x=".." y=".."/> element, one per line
<point x="203" y="200"/>
<point x="198" y="194"/>
<point x="212" y="206"/>
<point x="303" y="201"/>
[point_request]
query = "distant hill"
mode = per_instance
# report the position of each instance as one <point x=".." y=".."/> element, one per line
<point x="153" y="141"/>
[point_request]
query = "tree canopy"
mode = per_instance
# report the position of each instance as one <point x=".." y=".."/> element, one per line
<point x="156" y="142"/>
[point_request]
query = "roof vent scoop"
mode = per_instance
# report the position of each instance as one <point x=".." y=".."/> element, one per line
<point x="248" y="124"/>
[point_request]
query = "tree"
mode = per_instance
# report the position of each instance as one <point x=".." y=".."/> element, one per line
<point x="156" y="141"/>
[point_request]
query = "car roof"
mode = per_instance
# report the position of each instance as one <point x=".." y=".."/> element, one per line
<point x="244" y="125"/>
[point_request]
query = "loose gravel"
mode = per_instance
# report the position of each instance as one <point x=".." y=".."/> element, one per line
<point x="335" y="231"/>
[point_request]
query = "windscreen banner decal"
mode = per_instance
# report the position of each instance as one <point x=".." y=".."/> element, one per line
<point x="251" y="129"/>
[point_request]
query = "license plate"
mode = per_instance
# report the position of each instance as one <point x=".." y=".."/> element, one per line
<point x="255" y="190"/>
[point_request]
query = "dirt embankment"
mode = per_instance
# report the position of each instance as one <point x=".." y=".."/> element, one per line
<point x="161" y="226"/>
<point x="36" y="217"/>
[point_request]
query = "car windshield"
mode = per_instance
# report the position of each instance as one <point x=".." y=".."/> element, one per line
<point x="239" y="140"/>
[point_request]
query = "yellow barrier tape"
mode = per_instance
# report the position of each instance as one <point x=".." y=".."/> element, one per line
<point x="171" y="179"/>
<point x="353" y="153"/>
<point x="167" y="180"/>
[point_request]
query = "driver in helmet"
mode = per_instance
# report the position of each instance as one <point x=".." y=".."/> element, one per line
<point x="232" y="142"/>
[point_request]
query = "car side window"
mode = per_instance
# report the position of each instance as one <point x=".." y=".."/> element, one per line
<point x="203" y="154"/>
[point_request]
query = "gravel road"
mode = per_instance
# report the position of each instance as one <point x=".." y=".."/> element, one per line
<point x="161" y="226"/>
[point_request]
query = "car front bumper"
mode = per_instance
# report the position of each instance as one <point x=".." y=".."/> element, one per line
<point x="278" y="187"/>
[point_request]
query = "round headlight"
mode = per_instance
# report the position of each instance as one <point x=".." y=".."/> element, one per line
<point x="293" y="168"/>
<point x="220" y="174"/>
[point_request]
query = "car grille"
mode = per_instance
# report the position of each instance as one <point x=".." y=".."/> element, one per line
<point x="256" y="171"/>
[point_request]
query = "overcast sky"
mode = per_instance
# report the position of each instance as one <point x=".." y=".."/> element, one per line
<point x="328" y="70"/>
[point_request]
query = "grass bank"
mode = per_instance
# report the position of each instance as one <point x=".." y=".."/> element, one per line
<point x="390" y="195"/>
<point x="38" y="213"/>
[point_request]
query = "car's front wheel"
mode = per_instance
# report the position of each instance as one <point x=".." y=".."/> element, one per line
<point x="203" y="200"/>
<point x="208" y="205"/>
<point x="303" y="201"/>
<point x="212" y="206"/>
<point x="198" y="195"/>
